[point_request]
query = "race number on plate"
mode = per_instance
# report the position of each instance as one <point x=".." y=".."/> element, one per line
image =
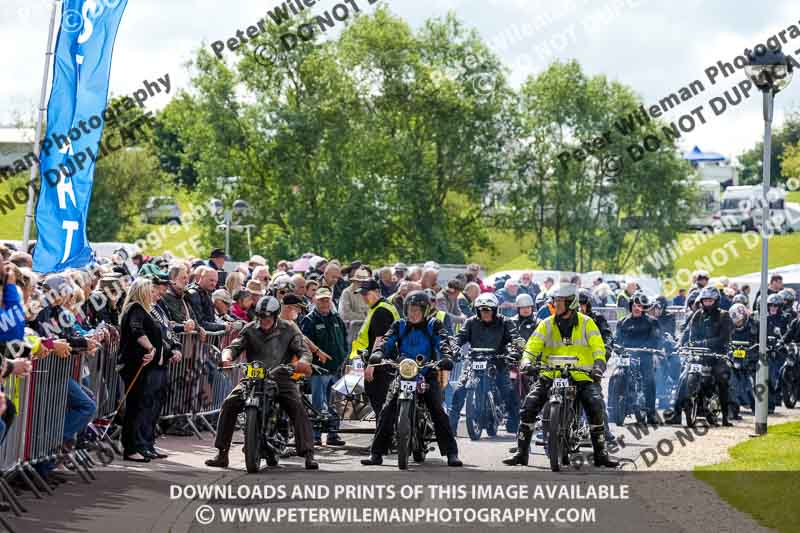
<point x="560" y="383"/>
<point x="408" y="386"/>
<point x="253" y="372"/>
<point x="696" y="368"/>
<point x="740" y="354"/>
<point x="479" y="365"/>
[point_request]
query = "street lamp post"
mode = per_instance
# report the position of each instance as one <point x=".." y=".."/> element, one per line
<point x="771" y="72"/>
<point x="228" y="219"/>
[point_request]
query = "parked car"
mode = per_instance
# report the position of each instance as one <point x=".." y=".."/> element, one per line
<point x="161" y="209"/>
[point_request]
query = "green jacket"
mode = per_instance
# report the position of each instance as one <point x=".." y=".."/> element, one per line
<point x="330" y="334"/>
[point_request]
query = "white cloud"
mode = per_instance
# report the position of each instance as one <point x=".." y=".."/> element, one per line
<point x="654" y="47"/>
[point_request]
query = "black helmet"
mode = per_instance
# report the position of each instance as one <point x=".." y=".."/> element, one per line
<point x="418" y="298"/>
<point x="740" y="299"/>
<point x="709" y="292"/>
<point x="661" y="302"/>
<point x="775" y="299"/>
<point x="640" y="298"/>
<point x="788" y="297"/>
<point x="267" y="306"/>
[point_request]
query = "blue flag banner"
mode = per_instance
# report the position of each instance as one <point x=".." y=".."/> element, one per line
<point x="78" y="98"/>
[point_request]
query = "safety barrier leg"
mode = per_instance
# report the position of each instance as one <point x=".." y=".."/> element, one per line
<point x="36" y="477"/>
<point x="193" y="428"/>
<point x="78" y="460"/>
<point x="13" y="502"/>
<point x="6" y="525"/>
<point x="67" y="457"/>
<point x="84" y="456"/>
<point x="207" y="424"/>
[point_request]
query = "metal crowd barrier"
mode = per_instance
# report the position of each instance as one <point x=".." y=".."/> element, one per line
<point x="196" y="387"/>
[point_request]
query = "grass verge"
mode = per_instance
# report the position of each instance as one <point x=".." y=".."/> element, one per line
<point x="761" y="478"/>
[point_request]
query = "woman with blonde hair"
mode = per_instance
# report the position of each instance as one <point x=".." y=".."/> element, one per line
<point x="234" y="281"/>
<point x="144" y="354"/>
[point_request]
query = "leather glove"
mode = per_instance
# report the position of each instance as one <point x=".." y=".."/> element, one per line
<point x="598" y="369"/>
<point x="445" y="364"/>
<point x="376" y="358"/>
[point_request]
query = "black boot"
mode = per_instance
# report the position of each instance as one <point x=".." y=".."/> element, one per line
<point x="453" y="460"/>
<point x="220" y="460"/>
<point x="725" y="421"/>
<point x="601" y="457"/>
<point x="523" y="447"/>
<point x="374" y="460"/>
<point x="311" y="464"/>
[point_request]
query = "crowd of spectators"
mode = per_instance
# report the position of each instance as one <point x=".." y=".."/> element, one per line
<point x="156" y="300"/>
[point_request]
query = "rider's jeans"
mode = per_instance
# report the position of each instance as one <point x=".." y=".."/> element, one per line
<point x="775" y="364"/>
<point x="433" y="400"/>
<point x="648" y="382"/>
<point x="288" y="398"/>
<point x="320" y="394"/>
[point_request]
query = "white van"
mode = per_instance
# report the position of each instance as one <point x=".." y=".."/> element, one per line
<point x="707" y="204"/>
<point x="741" y="208"/>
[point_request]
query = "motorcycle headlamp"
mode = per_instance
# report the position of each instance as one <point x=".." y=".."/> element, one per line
<point x="408" y="369"/>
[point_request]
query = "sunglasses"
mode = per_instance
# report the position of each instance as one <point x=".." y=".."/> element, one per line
<point x="484" y="309"/>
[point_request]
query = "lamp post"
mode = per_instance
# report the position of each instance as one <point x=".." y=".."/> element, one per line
<point x="228" y="219"/>
<point x="771" y="72"/>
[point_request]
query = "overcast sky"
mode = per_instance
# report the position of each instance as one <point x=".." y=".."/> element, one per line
<point x="654" y="47"/>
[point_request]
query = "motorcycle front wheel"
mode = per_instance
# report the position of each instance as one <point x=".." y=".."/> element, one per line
<point x="474" y="410"/>
<point x="252" y="440"/>
<point x="789" y="394"/>
<point x="555" y="441"/>
<point x="404" y="433"/>
<point x="616" y="400"/>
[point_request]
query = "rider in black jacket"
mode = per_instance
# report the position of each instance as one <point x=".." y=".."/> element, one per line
<point x="708" y="327"/>
<point x="488" y="330"/>
<point x="745" y="329"/>
<point x="585" y="302"/>
<point x="638" y="330"/>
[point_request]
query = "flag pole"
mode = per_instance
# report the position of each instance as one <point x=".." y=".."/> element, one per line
<point x="26" y="231"/>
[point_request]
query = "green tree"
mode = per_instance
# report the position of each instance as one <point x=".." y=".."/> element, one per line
<point x="583" y="218"/>
<point x="379" y="144"/>
<point x="125" y="177"/>
<point x="751" y="160"/>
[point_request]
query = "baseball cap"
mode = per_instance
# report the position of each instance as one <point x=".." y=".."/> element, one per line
<point x="223" y="295"/>
<point x="55" y="283"/>
<point x="366" y="286"/>
<point x="323" y="292"/>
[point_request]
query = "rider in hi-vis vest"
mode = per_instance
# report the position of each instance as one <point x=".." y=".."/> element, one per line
<point x="566" y="333"/>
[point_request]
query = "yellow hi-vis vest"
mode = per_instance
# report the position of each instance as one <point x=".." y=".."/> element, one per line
<point x="361" y="342"/>
<point x="586" y="344"/>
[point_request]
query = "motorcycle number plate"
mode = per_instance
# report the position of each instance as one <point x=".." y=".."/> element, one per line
<point x="740" y="354"/>
<point x="479" y="365"/>
<point x="624" y="361"/>
<point x="695" y="368"/>
<point x="560" y="383"/>
<point x="253" y="372"/>
<point x="408" y="386"/>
